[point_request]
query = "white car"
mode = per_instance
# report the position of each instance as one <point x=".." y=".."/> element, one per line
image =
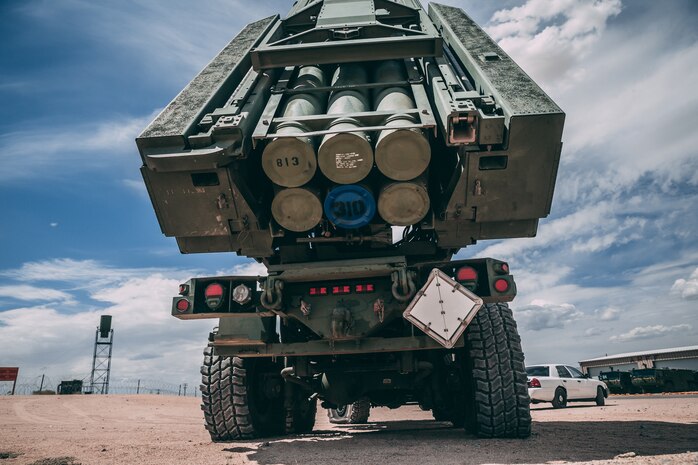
<point x="560" y="384"/>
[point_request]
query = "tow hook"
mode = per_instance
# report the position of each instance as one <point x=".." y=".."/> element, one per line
<point x="272" y="295"/>
<point x="403" y="288"/>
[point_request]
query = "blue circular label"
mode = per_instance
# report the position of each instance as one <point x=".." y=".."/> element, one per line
<point x="350" y="206"/>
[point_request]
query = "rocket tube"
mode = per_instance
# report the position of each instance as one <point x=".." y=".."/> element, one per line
<point x="401" y="154"/>
<point x="404" y="203"/>
<point x="350" y="206"/>
<point x="347" y="157"/>
<point x="297" y="209"/>
<point x="291" y="161"/>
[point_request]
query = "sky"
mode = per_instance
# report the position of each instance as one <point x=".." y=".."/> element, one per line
<point x="613" y="269"/>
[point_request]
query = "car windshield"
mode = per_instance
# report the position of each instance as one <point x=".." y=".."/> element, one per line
<point x="609" y="375"/>
<point x="538" y="371"/>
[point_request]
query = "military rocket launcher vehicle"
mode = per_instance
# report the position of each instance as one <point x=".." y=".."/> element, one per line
<point x="353" y="147"/>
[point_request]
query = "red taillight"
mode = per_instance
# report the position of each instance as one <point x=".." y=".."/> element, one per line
<point x="466" y="273"/>
<point x="341" y="289"/>
<point x="501" y="285"/>
<point x="318" y="291"/>
<point x="364" y="288"/>
<point x="214" y="295"/>
<point x="213" y="290"/>
<point x="534" y="383"/>
<point x="182" y="305"/>
<point x="501" y="268"/>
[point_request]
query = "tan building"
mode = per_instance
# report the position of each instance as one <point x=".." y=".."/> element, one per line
<point x="677" y="357"/>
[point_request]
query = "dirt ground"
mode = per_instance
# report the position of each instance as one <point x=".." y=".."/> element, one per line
<point x="150" y="429"/>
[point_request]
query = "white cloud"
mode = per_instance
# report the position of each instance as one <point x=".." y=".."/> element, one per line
<point x="157" y="36"/>
<point x="251" y="268"/>
<point x="135" y="185"/>
<point x="551" y="39"/>
<point x="28" y="154"/>
<point x="649" y="332"/>
<point x="148" y="341"/>
<point x="53" y="225"/>
<point x="589" y="332"/>
<point x="608" y="314"/>
<point x="687" y="288"/>
<point x="591" y="228"/>
<point x="539" y="315"/>
<point x="34" y="294"/>
<point x="86" y="273"/>
<point x="597" y="71"/>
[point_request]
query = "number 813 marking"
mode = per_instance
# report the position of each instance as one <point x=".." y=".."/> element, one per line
<point x="281" y="162"/>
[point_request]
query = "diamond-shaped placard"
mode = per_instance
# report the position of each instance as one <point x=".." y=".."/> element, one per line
<point x="443" y="308"/>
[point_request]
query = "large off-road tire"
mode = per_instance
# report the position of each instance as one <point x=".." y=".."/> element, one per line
<point x="455" y="416"/>
<point x="241" y="398"/>
<point x="360" y="411"/>
<point x="339" y="415"/>
<point x="300" y="411"/>
<point x="356" y="413"/>
<point x="497" y="403"/>
<point x="440" y="415"/>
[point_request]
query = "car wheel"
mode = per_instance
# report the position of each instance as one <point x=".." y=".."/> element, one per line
<point x="560" y="399"/>
<point x="600" y="398"/>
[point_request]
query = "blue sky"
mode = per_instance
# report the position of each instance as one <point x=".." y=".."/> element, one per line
<point x="614" y="268"/>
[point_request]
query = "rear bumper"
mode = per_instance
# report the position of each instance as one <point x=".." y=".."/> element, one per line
<point x="224" y="347"/>
<point x="541" y="394"/>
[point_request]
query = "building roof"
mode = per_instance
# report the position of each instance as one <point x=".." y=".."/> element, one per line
<point x="641" y="354"/>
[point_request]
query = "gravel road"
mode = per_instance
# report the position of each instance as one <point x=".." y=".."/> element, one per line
<point x="150" y="429"/>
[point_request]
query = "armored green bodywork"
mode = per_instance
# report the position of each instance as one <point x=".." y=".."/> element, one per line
<point x="663" y="380"/>
<point x="353" y="147"/>
<point x="618" y="382"/>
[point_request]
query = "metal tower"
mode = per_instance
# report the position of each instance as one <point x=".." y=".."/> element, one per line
<point x="101" y="359"/>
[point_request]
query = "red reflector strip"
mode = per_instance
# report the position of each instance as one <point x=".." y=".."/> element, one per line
<point x="318" y="291"/>
<point x="364" y="288"/>
<point x="501" y="285"/>
<point x="341" y="289"/>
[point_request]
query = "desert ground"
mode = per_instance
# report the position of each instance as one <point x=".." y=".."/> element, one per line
<point x="149" y="429"/>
